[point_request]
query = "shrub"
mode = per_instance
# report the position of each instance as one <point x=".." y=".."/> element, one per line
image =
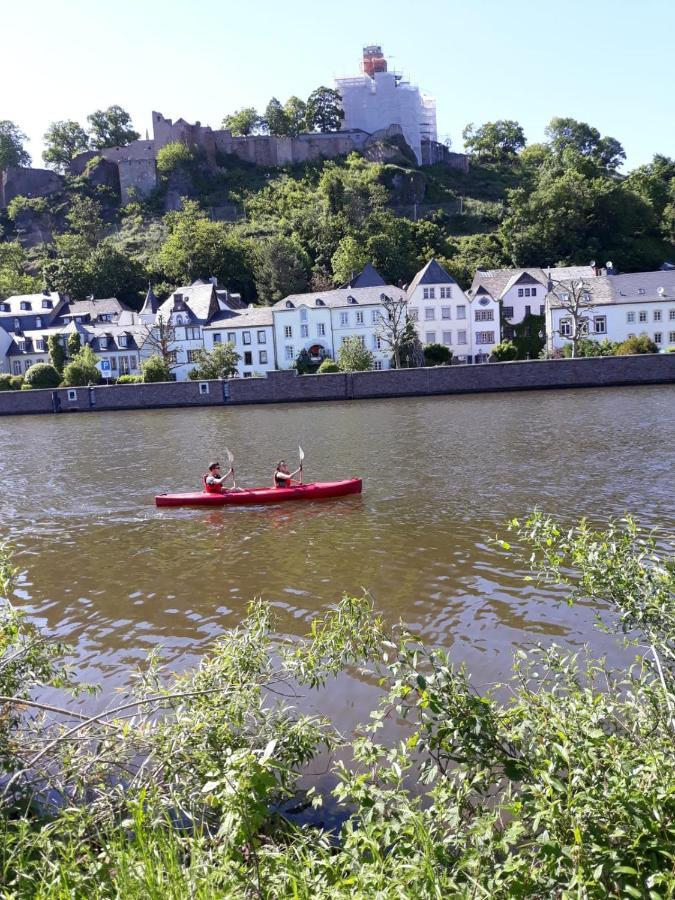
<point x="16" y="382"/>
<point x="641" y="344"/>
<point x="130" y="379"/>
<point x="5" y="382"/>
<point x="304" y="364"/>
<point x="504" y="352"/>
<point x="220" y="362"/>
<point x="175" y="155"/>
<point x="42" y="375"/>
<point x="354" y="356"/>
<point x="327" y="366"/>
<point x="437" y="355"/>
<point x="155" y="369"/>
<point x="82" y="370"/>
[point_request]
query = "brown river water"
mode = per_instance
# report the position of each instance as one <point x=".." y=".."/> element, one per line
<point x="106" y="571"/>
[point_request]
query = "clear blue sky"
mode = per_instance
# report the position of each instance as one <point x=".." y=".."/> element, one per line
<point x="606" y="63"/>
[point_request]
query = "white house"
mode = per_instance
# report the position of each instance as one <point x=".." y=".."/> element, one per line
<point x="320" y="321"/>
<point x="618" y="307"/>
<point x="251" y="332"/>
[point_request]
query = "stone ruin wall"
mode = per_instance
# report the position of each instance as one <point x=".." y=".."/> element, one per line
<point x="21" y="181"/>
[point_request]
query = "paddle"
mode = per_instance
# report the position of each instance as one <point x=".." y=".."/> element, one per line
<point x="301" y="455"/>
<point x="230" y="459"/>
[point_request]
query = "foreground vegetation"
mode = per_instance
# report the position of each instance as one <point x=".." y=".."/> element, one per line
<point x="192" y="786"/>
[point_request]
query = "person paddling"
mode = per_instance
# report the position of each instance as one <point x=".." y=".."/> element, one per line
<point x="214" y="481"/>
<point x="282" y="477"/>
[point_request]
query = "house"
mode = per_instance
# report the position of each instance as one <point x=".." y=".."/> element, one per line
<point x="617" y="307"/>
<point x="26" y="320"/>
<point x="320" y="321"/>
<point x="251" y="332"/>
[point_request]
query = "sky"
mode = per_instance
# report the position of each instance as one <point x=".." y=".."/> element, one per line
<point x="604" y="62"/>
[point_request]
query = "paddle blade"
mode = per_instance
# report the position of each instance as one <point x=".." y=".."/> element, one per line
<point x="301" y="453"/>
<point x="230" y="457"/>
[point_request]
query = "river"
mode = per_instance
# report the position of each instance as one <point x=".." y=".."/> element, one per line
<point x="106" y="571"/>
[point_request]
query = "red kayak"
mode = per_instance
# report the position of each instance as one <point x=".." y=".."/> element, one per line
<point x="251" y="496"/>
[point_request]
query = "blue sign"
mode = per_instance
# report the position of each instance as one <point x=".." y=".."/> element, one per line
<point x="104" y="366"/>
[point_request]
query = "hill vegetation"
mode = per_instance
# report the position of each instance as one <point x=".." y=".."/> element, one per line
<point x="309" y="227"/>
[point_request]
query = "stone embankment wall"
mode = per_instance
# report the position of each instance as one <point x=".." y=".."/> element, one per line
<point x="286" y="387"/>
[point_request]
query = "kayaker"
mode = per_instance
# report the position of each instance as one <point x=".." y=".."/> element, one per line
<point x="282" y="477"/>
<point x="213" y="480"/>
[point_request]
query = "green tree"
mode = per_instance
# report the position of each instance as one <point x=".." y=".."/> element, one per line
<point x="82" y="370"/>
<point x="504" y="352"/>
<point x="74" y="344"/>
<point x="57" y="353"/>
<point x="111" y="127"/>
<point x="42" y="375"/>
<point x="85" y="219"/>
<point x="281" y="267"/>
<point x="14" y="279"/>
<point x="155" y="369"/>
<point x="295" y="110"/>
<point x="324" y="110"/>
<point x="243" y="122"/>
<point x="437" y="355"/>
<point x="276" y="119"/>
<point x="349" y="258"/>
<point x="328" y="366"/>
<point x="220" y="362"/>
<point x="354" y="356"/>
<point x="63" y="140"/>
<point x="112" y="273"/>
<point x="174" y="156"/>
<point x="12" y="152"/>
<point x="568" y="134"/>
<point x="497" y="142"/>
<point x="640" y="344"/>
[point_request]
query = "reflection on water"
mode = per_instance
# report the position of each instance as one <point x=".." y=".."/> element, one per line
<point x="116" y="577"/>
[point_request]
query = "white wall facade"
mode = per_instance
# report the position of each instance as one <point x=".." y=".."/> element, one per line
<point x="522" y="300"/>
<point x="253" y="342"/>
<point x="365" y="323"/>
<point x="618" y="321"/>
<point x="301" y="327"/>
<point x="443" y="314"/>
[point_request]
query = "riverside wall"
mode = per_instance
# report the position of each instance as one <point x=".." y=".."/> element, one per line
<point x="286" y="387"/>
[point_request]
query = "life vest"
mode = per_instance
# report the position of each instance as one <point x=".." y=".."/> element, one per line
<point x="211" y="488"/>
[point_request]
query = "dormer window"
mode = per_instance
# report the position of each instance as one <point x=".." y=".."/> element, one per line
<point x="289" y="305"/>
<point x="103" y="343"/>
<point x="641" y="290"/>
<point x="22" y="346"/>
<point x="319" y="302"/>
<point x="25" y="304"/>
<point x="47" y="304"/>
<point x="351" y="299"/>
<point x="122" y="341"/>
<point x="4" y="307"/>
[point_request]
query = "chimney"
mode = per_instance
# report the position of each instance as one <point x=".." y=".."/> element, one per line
<point x="373" y="60"/>
<point x="597" y="270"/>
<point x="609" y="267"/>
<point x="214" y="280"/>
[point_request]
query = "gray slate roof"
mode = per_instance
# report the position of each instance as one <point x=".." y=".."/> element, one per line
<point x="635" y="287"/>
<point x="432" y="273"/>
<point x="14" y="302"/>
<point x="255" y="317"/>
<point x="367" y="277"/>
<point x="498" y="281"/>
<point x="95" y="308"/>
<point x="151" y="303"/>
<point x="364" y="296"/>
<point x="199" y="301"/>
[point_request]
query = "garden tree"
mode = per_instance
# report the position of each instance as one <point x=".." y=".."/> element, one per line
<point x="303" y="363"/>
<point x="220" y="362"/>
<point x="173" y="156"/>
<point x="640" y="344"/>
<point x="295" y="111"/>
<point x="328" y="366"/>
<point x="155" y="368"/>
<point x="12" y="152"/>
<point x="276" y="118"/>
<point x="85" y="219"/>
<point x="82" y="369"/>
<point x="160" y="339"/>
<point x="569" y="134"/>
<point x="496" y="142"/>
<point x="354" y="356"/>
<point x="281" y="267"/>
<point x="575" y="298"/>
<point x="74" y="344"/>
<point x="394" y="326"/>
<point x="243" y="121"/>
<point x="63" y="140"/>
<point x="111" y="127"/>
<point x="324" y="110"/>
<point x="588" y="347"/>
<point x="14" y="278"/>
<point x="57" y="353"/>
<point x="504" y="352"/>
<point x="437" y="355"/>
<point x="349" y="258"/>
<point x="42" y="375"/>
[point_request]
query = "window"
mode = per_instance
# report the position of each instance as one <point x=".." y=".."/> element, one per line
<point x="344" y="318"/>
<point x="413" y="313"/>
<point x="658" y="337"/>
<point x="630" y="317"/>
<point x="289" y="352"/>
<point x="377" y="365"/>
<point x="541" y="309"/>
<point x="520" y="292"/>
<point x="304" y="331"/>
<point x="375" y="316"/>
<point x="321" y="330"/>
<point x="447" y="337"/>
<point x="248" y="358"/>
<point x="289" y="305"/>
<point x="428" y="293"/>
<point x="303" y="315"/>
<point x="262" y="357"/>
<point x="17" y="367"/>
<point x="600" y="324"/>
<point x="657" y="315"/>
<point x="359" y="317"/>
<point x="485" y="337"/>
<point x="46" y="304"/>
<point x="103" y="343"/>
<point x="446" y="293"/>
<point x="671" y="314"/>
<point x="25" y="304"/>
<point x="429" y="314"/>
<point x="246" y="337"/>
<point x="461" y="337"/>
<point x="27" y="365"/>
<point x="361" y="339"/>
<point x="461" y="312"/>
<point x="671" y="337"/>
<point x="231" y="337"/>
<point x="22" y="346"/>
<point x="534" y="292"/>
<point x="262" y="336"/>
<point x="217" y="337"/>
<point x="319" y="302"/>
<point x="643" y="315"/>
<point x="377" y="342"/>
<point x="508" y="312"/>
<point x="430" y="337"/>
<point x="528" y="310"/>
<point x="40" y="345"/>
<point x="113" y="363"/>
<point x="17" y="324"/>
<point x="288" y="331"/>
<point x="122" y="341"/>
<point x="248" y="374"/>
<point x="641" y="290"/>
<point x="192" y="334"/>
<point x="566" y="327"/>
<point x="485" y="315"/>
<point x="192" y="356"/>
<point x="38" y="321"/>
